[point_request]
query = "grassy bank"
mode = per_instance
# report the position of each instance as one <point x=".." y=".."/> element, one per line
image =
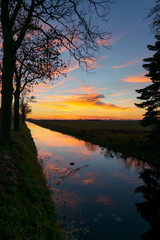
<point x="127" y="137"/>
<point x="26" y="209"/>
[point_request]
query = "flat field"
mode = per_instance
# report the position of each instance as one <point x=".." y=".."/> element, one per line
<point x="96" y="124"/>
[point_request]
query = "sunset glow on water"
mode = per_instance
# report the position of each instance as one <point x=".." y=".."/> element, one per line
<point x="93" y="189"/>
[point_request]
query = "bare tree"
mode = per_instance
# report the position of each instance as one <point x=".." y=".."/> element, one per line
<point x="36" y="61"/>
<point x="74" y="24"/>
<point x="24" y="105"/>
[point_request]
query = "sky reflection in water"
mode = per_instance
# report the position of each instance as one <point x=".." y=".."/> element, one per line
<point x="93" y="190"/>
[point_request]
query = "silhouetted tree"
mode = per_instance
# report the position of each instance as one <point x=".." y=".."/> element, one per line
<point x="35" y="62"/>
<point x="150" y="95"/>
<point x="24" y="106"/>
<point x="154" y="13"/>
<point x="70" y="23"/>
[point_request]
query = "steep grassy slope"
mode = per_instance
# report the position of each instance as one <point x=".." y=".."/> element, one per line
<point x="26" y="209"/>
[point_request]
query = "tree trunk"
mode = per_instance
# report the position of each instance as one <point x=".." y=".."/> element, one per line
<point x="7" y="91"/>
<point x="16" y="105"/>
<point x="16" y="111"/>
<point x="23" y="115"/>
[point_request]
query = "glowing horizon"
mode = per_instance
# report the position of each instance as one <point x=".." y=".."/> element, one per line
<point x="109" y="93"/>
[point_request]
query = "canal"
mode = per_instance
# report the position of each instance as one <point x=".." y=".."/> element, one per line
<point x="98" y="194"/>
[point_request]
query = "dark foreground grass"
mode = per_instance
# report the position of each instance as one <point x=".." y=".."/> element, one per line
<point x="26" y="209"/>
<point x="127" y="137"/>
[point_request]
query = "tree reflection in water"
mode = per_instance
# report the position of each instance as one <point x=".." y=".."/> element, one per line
<point x="133" y="162"/>
<point x="150" y="209"/>
<point x="107" y="153"/>
<point x="91" y="147"/>
<point x="129" y="162"/>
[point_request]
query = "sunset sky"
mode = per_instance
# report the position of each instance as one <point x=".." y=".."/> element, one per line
<point x="109" y="91"/>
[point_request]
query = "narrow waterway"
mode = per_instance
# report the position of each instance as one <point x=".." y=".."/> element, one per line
<point x="98" y="195"/>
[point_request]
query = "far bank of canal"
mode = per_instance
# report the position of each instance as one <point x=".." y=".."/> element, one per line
<point x="98" y="195"/>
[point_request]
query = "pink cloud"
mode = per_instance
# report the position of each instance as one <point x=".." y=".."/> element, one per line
<point x="59" y="83"/>
<point x="116" y="94"/>
<point x="92" y="63"/>
<point x="44" y="87"/>
<point x="109" y="41"/>
<point x="86" y="89"/>
<point x="128" y="63"/>
<point x="106" y="41"/>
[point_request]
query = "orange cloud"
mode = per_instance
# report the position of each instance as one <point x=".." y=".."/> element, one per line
<point x="44" y="87"/>
<point x="91" y="100"/>
<point x="86" y="102"/>
<point x="83" y="102"/>
<point x="95" y="66"/>
<point x="92" y="63"/>
<point x="128" y="63"/>
<point x="89" y="60"/>
<point x="136" y="79"/>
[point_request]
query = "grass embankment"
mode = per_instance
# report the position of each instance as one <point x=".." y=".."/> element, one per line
<point x="127" y="137"/>
<point x="26" y="209"/>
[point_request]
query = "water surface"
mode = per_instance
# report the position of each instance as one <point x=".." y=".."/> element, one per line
<point x="97" y="194"/>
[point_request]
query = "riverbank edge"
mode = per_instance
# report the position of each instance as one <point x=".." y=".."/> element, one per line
<point x="120" y="143"/>
<point x="26" y="207"/>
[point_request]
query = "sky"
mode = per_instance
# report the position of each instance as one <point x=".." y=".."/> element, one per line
<point x="109" y="91"/>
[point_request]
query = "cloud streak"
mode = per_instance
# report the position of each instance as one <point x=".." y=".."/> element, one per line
<point x="83" y="89"/>
<point x="136" y="79"/>
<point x="84" y="101"/>
<point x="128" y="63"/>
<point x="71" y="68"/>
<point x="94" y="100"/>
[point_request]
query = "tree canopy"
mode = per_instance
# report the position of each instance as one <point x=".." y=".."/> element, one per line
<point x="36" y="61"/>
<point x="150" y="95"/>
<point x="73" y="25"/>
<point x="154" y="13"/>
